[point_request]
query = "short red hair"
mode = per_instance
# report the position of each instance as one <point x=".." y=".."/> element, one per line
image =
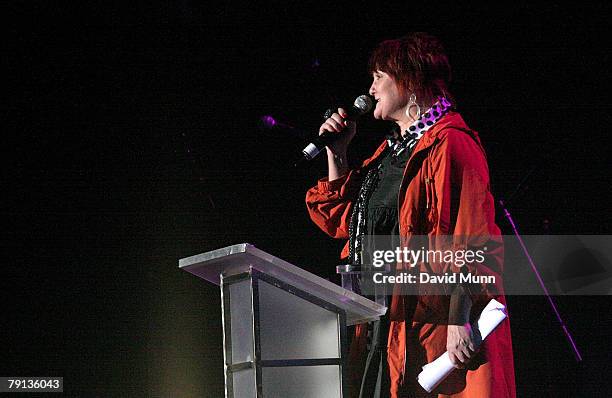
<point x="418" y="64"/>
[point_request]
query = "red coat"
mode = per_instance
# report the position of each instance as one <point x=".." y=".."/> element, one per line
<point x="444" y="191"/>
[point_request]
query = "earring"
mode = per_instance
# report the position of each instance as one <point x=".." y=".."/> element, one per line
<point x="412" y="102"/>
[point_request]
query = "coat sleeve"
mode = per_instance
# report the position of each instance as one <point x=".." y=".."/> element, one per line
<point x="330" y="203"/>
<point x="464" y="211"/>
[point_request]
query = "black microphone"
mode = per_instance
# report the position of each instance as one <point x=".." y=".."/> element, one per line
<point x="363" y="104"/>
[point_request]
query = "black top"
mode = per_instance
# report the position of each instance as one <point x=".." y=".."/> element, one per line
<point x="382" y="219"/>
<point x="382" y="204"/>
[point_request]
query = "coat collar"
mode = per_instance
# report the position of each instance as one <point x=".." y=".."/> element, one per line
<point x="437" y="131"/>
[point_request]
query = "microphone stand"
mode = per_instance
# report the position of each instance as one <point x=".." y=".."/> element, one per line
<point x="507" y="214"/>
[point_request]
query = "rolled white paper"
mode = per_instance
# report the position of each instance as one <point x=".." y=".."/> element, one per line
<point x="433" y="373"/>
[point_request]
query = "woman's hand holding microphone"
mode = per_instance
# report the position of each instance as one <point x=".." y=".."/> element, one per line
<point x="338" y="123"/>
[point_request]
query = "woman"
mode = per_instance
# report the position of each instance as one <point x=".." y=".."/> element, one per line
<point x="429" y="178"/>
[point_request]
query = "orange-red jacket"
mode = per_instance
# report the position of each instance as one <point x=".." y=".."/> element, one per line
<point x="444" y="191"/>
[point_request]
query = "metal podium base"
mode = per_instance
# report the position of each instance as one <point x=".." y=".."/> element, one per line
<point x="280" y="341"/>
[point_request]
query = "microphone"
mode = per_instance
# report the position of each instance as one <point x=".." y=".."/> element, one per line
<point x="363" y="104"/>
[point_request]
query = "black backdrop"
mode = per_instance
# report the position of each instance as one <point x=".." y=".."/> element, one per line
<point x="132" y="140"/>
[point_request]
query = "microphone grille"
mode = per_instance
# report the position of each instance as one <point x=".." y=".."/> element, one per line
<point x="363" y="103"/>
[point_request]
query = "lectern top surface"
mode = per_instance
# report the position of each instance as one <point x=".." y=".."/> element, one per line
<point x="235" y="259"/>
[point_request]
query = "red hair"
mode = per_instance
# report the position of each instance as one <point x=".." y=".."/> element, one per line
<point x="418" y="64"/>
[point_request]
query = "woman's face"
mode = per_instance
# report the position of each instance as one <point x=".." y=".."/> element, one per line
<point x="390" y="103"/>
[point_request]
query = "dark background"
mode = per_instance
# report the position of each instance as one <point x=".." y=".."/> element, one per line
<point x="131" y="139"/>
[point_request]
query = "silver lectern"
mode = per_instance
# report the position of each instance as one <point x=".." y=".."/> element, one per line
<point x="284" y="329"/>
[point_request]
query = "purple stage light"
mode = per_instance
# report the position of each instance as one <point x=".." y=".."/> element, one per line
<point x="268" y="121"/>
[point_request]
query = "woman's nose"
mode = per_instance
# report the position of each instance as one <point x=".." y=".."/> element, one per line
<point x="372" y="91"/>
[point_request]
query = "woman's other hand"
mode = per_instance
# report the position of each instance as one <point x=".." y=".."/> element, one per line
<point x="460" y="344"/>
